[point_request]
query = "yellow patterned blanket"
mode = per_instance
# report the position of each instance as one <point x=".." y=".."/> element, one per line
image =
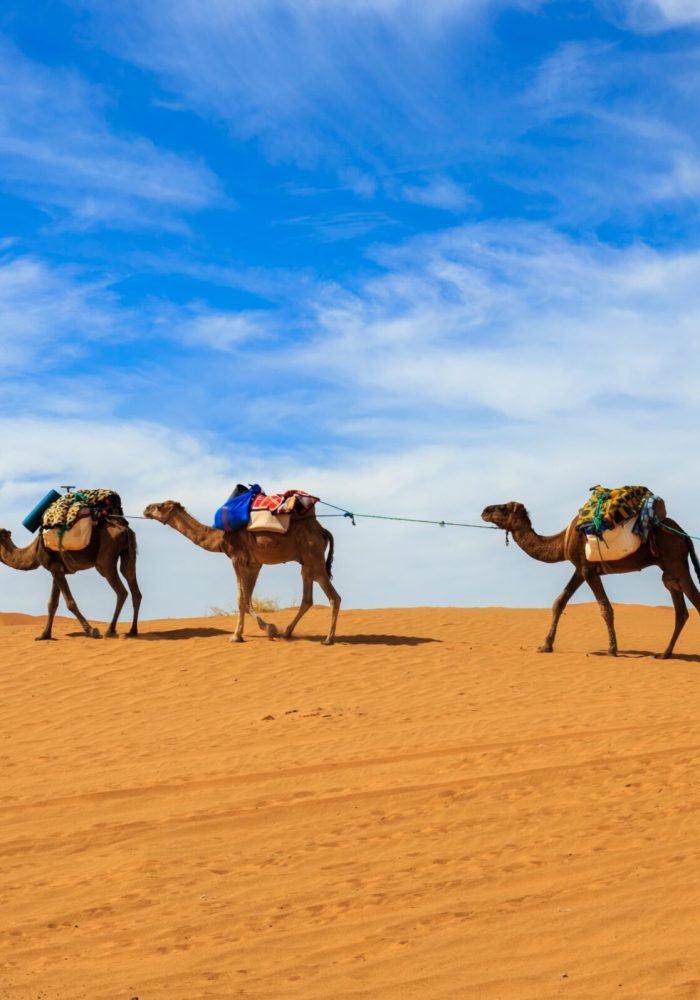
<point x="63" y="512"/>
<point x="607" y="508"/>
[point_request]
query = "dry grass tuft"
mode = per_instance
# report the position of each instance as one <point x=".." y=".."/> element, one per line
<point x="259" y="605"/>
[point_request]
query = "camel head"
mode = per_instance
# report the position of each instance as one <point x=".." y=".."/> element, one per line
<point x="5" y="536"/>
<point x="162" y="511"/>
<point x="508" y="516"/>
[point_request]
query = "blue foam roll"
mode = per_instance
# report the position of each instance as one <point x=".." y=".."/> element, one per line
<point x="33" y="520"/>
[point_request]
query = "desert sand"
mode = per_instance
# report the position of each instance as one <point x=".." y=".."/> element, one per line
<point x="428" y="809"/>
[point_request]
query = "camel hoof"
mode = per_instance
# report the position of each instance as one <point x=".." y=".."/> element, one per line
<point x="236" y="638"/>
<point x="545" y="649"/>
<point x="111" y="635"/>
<point x="328" y="642"/>
<point x="272" y="631"/>
<point x="44" y="638"/>
<point x="287" y="634"/>
<point x="94" y="633"/>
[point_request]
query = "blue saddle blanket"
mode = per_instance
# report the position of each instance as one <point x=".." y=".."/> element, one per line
<point x="235" y="512"/>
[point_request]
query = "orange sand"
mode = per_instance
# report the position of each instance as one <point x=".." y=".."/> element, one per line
<point x="429" y="809"/>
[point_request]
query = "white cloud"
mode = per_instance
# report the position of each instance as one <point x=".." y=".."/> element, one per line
<point x="438" y="192"/>
<point x="653" y="15"/>
<point x="48" y="313"/>
<point x="519" y="322"/>
<point x="378" y="563"/>
<point x="223" y="330"/>
<point x="63" y="154"/>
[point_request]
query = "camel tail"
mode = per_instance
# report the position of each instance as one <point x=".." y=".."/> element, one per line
<point x="331" y="543"/>
<point x="694" y="557"/>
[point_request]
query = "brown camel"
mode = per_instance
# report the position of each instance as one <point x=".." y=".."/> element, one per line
<point x="304" y="542"/>
<point x="111" y="544"/>
<point x="664" y="548"/>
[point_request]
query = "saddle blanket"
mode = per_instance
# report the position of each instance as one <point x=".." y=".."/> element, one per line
<point x="64" y="512"/>
<point x="289" y="502"/>
<point x="607" y="508"/>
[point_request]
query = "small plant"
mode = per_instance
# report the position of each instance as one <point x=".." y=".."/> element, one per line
<point x="259" y="605"/>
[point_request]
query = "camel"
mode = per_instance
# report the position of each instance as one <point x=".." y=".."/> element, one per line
<point x="112" y="543"/>
<point x="664" y="548"/>
<point x="304" y="542"/>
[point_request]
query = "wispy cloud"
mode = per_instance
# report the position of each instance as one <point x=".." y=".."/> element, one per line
<point x="438" y="192"/>
<point x="49" y="314"/>
<point x="653" y="15"/>
<point x="616" y="113"/>
<point x="518" y="322"/>
<point x="64" y="156"/>
<point x="309" y="79"/>
<point x="392" y="88"/>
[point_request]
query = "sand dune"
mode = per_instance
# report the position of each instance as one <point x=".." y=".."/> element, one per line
<point x="428" y="809"/>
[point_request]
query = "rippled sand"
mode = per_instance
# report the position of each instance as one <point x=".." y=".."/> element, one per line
<point x="428" y="809"/>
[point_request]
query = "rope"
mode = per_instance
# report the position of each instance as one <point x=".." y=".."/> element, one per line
<point x="413" y="520"/>
<point x="351" y="515"/>
<point x="598" y="512"/>
<point x="676" y="531"/>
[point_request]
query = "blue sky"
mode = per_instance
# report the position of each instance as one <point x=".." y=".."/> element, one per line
<point x="413" y="258"/>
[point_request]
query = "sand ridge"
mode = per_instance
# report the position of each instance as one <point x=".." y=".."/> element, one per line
<point x="428" y="809"/>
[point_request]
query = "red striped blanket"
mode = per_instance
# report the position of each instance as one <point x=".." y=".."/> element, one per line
<point x="289" y="502"/>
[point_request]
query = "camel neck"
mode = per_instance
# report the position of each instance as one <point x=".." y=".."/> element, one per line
<point x="545" y="548"/>
<point x="201" y="534"/>
<point x="26" y="558"/>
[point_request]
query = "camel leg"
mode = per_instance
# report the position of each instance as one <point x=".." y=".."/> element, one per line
<point x="323" y="580"/>
<point x="88" y="629"/>
<point x="307" y="591"/>
<point x="681" y="614"/>
<point x="246" y="575"/>
<point x="242" y="605"/>
<point x="127" y="566"/>
<point x="557" y="609"/>
<point x="687" y="585"/>
<point x="112" y="577"/>
<point x="272" y="631"/>
<point x="53" y="605"/>
<point x="606" y="610"/>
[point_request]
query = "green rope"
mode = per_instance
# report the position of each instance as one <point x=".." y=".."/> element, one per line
<point x="412" y="520"/>
<point x="598" y="512"/>
<point x="676" y="531"/>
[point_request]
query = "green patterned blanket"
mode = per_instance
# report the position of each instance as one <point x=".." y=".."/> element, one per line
<point x="606" y="508"/>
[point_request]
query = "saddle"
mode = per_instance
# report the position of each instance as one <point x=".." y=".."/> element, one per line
<point x="254" y="510"/>
<point x="68" y="523"/>
<point x="617" y="521"/>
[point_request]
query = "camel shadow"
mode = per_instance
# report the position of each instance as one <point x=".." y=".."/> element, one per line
<point x="176" y="633"/>
<point x="375" y="640"/>
<point x="186" y="633"/>
<point x="647" y="654"/>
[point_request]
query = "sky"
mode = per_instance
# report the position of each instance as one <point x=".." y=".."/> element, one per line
<point x="411" y="258"/>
